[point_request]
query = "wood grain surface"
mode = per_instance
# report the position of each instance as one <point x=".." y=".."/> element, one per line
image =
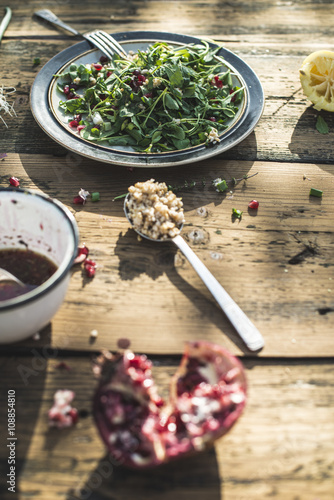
<point x="276" y="263"/>
<point x="281" y="447"/>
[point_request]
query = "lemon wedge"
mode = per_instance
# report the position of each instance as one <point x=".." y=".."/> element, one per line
<point x="317" y="79"/>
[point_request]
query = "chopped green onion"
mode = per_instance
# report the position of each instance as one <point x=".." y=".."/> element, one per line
<point x="95" y="196"/>
<point x="316" y="192"/>
<point x="236" y="213"/>
<point x="220" y="185"/>
<point x="120" y="197"/>
<point x="37" y="61"/>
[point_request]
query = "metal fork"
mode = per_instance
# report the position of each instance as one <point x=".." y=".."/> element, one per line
<point x="100" y="39"/>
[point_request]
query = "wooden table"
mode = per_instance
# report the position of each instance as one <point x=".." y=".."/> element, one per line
<point x="278" y="266"/>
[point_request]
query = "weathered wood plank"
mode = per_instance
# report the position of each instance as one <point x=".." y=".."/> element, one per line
<point x="277" y="264"/>
<point x="281" y="446"/>
<point x="234" y="18"/>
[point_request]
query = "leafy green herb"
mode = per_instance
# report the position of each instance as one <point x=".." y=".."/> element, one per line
<point x="164" y="99"/>
<point x="37" y="61"/>
<point x="321" y="125"/>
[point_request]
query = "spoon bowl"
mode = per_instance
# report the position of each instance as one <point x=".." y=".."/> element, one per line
<point x="242" y="324"/>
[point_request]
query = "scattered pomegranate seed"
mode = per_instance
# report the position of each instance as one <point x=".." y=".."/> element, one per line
<point x="212" y="119"/>
<point x="217" y="82"/>
<point x="80" y="127"/>
<point x="66" y="89"/>
<point x="83" y="251"/>
<point x="63" y="366"/>
<point x="109" y="73"/>
<point x="97" y="66"/>
<point x="78" y="200"/>
<point x="104" y="59"/>
<point x="74" y="123"/>
<point x="149" y="94"/>
<point x="90" y="270"/>
<point x="14" y="181"/>
<point x="253" y="204"/>
<point x="142" y="78"/>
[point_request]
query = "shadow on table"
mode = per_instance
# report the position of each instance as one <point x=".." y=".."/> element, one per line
<point x="62" y="176"/>
<point x="309" y="144"/>
<point x="26" y="376"/>
<point x="156" y="259"/>
<point x="194" y="478"/>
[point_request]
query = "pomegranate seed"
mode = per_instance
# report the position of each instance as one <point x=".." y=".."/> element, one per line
<point x="89" y="262"/>
<point x="74" y="86"/>
<point x="136" y="72"/>
<point x="83" y="250"/>
<point x="80" y="127"/>
<point x="97" y="66"/>
<point x="253" y="204"/>
<point x="149" y="94"/>
<point x="74" y="123"/>
<point x="14" y="181"/>
<point x="66" y="89"/>
<point x="78" y="200"/>
<point x="212" y="119"/>
<point x="90" y="271"/>
<point x="142" y="78"/>
<point x="73" y="413"/>
<point x="104" y="59"/>
<point x="81" y="255"/>
<point x="78" y="118"/>
<point x="109" y="73"/>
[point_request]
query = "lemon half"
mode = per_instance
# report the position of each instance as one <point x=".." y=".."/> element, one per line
<point x="317" y="79"/>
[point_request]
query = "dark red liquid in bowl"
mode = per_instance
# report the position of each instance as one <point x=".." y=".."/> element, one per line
<point x="30" y="267"/>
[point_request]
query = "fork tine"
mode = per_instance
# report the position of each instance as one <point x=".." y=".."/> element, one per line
<point x="111" y="40"/>
<point x="99" y="44"/>
<point x="109" y="43"/>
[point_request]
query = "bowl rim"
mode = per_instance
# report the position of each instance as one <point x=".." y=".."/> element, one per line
<point x="61" y="273"/>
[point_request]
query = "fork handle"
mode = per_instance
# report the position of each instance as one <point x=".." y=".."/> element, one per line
<point x="247" y="331"/>
<point x="49" y="16"/>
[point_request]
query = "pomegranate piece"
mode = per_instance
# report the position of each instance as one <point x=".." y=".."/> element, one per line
<point x="207" y="396"/>
<point x="62" y="414"/>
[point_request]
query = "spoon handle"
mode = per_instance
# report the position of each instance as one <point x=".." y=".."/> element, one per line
<point x="247" y="331"/>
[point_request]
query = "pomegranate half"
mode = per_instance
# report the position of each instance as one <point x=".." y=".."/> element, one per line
<point x="207" y="395"/>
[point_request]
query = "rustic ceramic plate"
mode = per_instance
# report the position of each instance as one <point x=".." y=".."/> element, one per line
<point x="45" y="98"/>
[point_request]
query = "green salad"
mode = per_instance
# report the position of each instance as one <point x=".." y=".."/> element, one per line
<point x="162" y="99"/>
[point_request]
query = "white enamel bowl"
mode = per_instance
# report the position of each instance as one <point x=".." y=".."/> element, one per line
<point x="32" y="220"/>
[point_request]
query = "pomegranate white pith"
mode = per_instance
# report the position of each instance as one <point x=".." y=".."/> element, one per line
<point x="207" y="395"/>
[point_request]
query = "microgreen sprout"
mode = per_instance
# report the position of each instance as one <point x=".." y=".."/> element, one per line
<point x="4" y="104"/>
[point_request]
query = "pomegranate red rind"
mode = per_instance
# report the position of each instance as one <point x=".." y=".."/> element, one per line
<point x="207" y="396"/>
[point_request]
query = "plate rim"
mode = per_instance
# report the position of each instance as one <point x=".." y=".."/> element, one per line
<point x="43" y="115"/>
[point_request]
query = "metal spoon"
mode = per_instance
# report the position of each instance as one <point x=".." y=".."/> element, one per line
<point x="7" y="276"/>
<point x="245" y="328"/>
